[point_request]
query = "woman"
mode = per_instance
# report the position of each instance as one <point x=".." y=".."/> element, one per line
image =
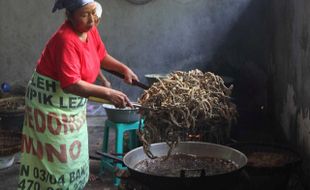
<point x="54" y="153"/>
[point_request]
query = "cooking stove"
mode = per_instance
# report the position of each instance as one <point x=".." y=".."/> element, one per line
<point x="212" y="134"/>
<point x="129" y="183"/>
<point x="136" y="185"/>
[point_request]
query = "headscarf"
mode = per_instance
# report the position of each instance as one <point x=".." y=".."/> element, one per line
<point x="70" y="5"/>
<point x="98" y="9"/>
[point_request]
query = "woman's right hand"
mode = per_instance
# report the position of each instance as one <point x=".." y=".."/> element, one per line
<point x="119" y="99"/>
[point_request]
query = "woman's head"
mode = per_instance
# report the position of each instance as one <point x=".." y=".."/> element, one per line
<point x="83" y="19"/>
<point x="81" y="13"/>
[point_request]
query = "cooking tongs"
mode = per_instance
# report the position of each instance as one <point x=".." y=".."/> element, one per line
<point x="104" y="101"/>
<point x="134" y="82"/>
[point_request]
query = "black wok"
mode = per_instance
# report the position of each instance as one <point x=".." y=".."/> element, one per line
<point x="228" y="180"/>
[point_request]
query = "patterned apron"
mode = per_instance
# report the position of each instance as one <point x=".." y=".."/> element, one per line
<point x="54" y="154"/>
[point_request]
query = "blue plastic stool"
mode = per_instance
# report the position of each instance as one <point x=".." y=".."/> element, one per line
<point x="120" y="129"/>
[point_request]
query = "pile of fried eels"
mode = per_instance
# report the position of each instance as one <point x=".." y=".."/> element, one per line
<point x="184" y="101"/>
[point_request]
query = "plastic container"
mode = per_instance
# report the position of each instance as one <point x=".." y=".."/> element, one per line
<point x="5" y="87"/>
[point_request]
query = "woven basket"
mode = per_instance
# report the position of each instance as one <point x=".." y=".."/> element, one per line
<point x="12" y="105"/>
<point x="10" y="142"/>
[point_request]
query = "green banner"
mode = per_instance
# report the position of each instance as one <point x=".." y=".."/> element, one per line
<point x="54" y="154"/>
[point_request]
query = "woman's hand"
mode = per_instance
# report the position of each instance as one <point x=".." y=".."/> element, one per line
<point x="119" y="99"/>
<point x="129" y="76"/>
<point x="110" y="63"/>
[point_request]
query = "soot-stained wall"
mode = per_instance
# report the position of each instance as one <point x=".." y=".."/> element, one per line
<point x="290" y="74"/>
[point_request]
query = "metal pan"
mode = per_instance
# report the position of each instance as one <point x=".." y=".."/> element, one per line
<point x="219" y="181"/>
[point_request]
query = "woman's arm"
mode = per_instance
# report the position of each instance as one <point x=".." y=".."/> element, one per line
<point x="85" y="89"/>
<point x="118" y="98"/>
<point x="111" y="63"/>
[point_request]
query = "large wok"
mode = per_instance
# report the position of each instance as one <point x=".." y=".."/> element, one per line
<point x="229" y="180"/>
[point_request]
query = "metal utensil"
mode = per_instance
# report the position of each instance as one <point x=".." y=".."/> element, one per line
<point x="104" y="101"/>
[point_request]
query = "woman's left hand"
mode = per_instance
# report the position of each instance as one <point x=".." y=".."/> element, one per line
<point x="110" y="63"/>
<point x="130" y="76"/>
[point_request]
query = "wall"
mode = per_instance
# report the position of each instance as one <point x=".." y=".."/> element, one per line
<point x="25" y="28"/>
<point x="160" y="36"/>
<point x="244" y="54"/>
<point x="289" y="73"/>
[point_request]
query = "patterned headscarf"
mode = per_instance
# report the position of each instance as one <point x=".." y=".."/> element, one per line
<point x="70" y="5"/>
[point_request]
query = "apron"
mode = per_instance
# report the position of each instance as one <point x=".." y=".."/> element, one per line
<point x="54" y="153"/>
